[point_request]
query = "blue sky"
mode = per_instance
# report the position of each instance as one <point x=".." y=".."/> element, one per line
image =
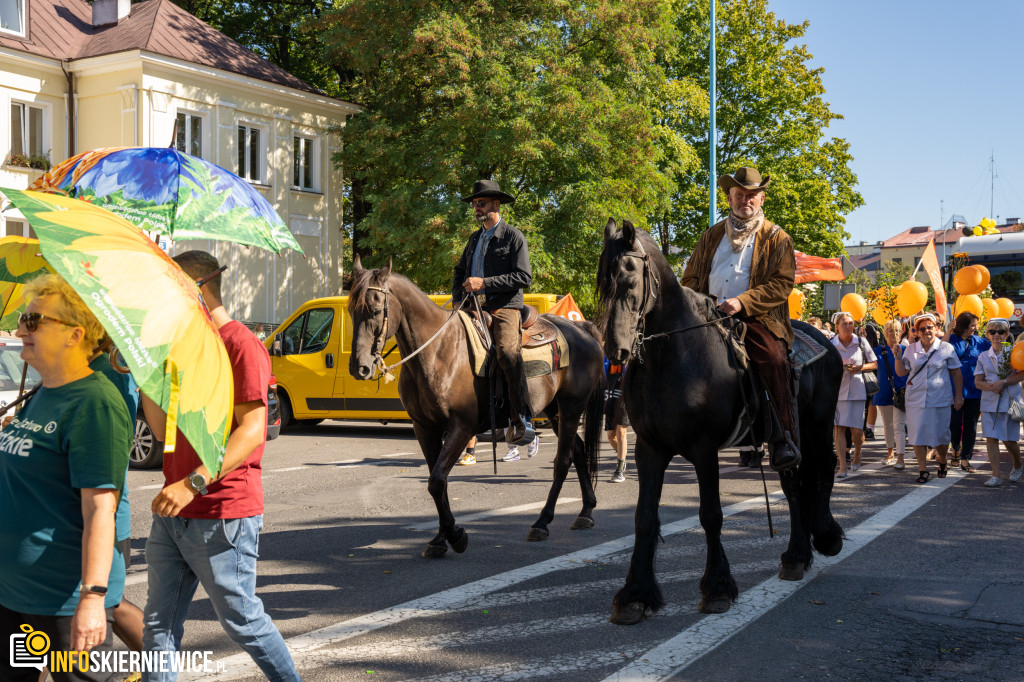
<point x="928" y="90"/>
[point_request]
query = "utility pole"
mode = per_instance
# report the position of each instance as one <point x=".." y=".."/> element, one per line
<point x="712" y="133"/>
<point x="992" y="185"/>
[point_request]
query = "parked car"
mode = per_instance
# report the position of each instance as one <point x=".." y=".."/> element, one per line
<point x="11" y="368"/>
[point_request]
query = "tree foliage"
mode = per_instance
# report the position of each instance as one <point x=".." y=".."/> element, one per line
<point x="770" y="114"/>
<point x="555" y="100"/>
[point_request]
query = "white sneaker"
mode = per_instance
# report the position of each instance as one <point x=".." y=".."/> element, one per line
<point x="534" y="447"/>
<point x="1016" y="473"/>
<point x="993" y="482"/>
<point x="512" y="455"/>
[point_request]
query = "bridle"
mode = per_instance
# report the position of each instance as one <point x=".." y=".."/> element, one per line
<point x="651" y="288"/>
<point x="380" y="337"/>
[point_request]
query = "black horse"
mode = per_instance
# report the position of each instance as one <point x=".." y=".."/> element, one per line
<point x="684" y="396"/>
<point x="449" y="405"/>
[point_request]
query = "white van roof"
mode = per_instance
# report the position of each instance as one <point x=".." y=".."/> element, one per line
<point x="991" y="244"/>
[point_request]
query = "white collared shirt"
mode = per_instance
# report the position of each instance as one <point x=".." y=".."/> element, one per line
<point x="932" y="387"/>
<point x="857" y="353"/>
<point x="730" y="272"/>
<point x="988" y="369"/>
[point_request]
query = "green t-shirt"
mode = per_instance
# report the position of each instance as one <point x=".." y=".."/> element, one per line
<point x="67" y="438"/>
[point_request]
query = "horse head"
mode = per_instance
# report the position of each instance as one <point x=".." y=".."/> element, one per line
<point x="628" y="288"/>
<point x="373" y="317"/>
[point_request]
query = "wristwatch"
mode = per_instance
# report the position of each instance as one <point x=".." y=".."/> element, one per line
<point x="93" y="589"/>
<point x="197" y="482"/>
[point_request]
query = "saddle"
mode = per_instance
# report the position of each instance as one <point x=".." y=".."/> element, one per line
<point x="535" y="330"/>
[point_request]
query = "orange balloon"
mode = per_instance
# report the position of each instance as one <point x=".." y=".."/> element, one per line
<point x="967" y="280"/>
<point x="986" y="276"/>
<point x="879" y="316"/>
<point x="970" y="303"/>
<point x="991" y="307"/>
<point x="855" y="305"/>
<point x="1005" y="307"/>
<point x="796" y="304"/>
<point x="911" y="298"/>
<point x="1017" y="356"/>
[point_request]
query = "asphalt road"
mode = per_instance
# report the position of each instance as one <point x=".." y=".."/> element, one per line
<point x="928" y="586"/>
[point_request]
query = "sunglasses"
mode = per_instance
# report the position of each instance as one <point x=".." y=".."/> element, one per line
<point x="480" y="203"/>
<point x="997" y="331"/>
<point x="32" y="320"/>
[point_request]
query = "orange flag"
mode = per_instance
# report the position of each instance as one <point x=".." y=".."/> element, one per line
<point x="817" y="269"/>
<point x="930" y="263"/>
<point x="567" y="308"/>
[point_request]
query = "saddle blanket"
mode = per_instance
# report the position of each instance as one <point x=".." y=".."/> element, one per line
<point x="805" y="350"/>
<point x="536" y="361"/>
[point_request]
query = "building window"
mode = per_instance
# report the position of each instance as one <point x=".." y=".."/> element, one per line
<point x="12" y="16"/>
<point x="188" y="137"/>
<point x="250" y="153"/>
<point x="17" y="228"/>
<point x="306" y="164"/>
<point x="897" y="260"/>
<point x="26" y="130"/>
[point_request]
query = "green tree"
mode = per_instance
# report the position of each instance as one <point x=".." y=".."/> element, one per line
<point x="555" y="100"/>
<point x="770" y="114"/>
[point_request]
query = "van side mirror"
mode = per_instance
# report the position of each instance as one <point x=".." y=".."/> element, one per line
<point x="275" y="348"/>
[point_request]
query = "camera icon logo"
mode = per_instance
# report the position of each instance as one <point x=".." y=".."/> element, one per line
<point x="29" y="649"/>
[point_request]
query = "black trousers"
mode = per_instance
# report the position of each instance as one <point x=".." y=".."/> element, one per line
<point x="963" y="426"/>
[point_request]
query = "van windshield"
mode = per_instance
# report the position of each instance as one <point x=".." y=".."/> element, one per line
<point x="1007" y="280"/>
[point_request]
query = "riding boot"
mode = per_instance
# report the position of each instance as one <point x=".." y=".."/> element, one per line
<point x="782" y="451"/>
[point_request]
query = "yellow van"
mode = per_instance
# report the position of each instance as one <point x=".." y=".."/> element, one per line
<point x="310" y="353"/>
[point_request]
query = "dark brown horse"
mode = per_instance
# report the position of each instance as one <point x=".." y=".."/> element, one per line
<point x="684" y="396"/>
<point x="449" y="405"/>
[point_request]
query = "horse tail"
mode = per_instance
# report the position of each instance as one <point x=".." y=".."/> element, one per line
<point x="593" y="426"/>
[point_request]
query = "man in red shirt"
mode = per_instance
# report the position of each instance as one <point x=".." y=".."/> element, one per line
<point x="205" y="527"/>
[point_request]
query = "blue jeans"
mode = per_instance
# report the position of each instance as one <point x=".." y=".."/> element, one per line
<point x="221" y="554"/>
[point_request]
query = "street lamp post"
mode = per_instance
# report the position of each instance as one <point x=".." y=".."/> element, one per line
<point x="712" y="135"/>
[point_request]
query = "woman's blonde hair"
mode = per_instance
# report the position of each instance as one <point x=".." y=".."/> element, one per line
<point x="70" y="306"/>
<point x="840" y="315"/>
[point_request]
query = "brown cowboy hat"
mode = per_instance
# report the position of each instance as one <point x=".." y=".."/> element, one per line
<point x="489" y="189"/>
<point x="747" y="178"/>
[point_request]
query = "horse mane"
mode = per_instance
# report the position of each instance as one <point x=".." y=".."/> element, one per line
<point x="360" y="285"/>
<point x="611" y="255"/>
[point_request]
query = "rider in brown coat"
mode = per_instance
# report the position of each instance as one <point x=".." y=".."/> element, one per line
<point x="749" y="265"/>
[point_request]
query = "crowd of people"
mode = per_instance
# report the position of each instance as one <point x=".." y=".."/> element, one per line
<point x="930" y="388"/>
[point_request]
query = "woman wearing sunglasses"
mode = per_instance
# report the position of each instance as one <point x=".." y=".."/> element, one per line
<point x="934" y="386"/>
<point x="999" y="384"/>
<point x="62" y="467"/>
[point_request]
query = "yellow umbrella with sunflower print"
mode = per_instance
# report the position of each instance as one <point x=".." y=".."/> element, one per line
<point x="20" y="262"/>
<point x="152" y="311"/>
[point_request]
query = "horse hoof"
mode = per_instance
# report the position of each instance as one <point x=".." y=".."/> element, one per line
<point x="791" y="572"/>
<point x="716" y="605"/>
<point x="461" y="541"/>
<point x="827" y="548"/>
<point x="582" y="523"/>
<point x="435" y="551"/>
<point x="630" y="614"/>
<point x="537" y="535"/>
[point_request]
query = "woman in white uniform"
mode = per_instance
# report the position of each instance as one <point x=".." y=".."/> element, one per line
<point x="996" y="394"/>
<point x="933" y="387"/>
<point x="857" y="359"/>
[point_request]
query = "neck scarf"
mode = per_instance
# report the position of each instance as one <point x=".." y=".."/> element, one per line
<point x="740" y="232"/>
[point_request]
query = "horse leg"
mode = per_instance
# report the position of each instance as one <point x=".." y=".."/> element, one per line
<point x="641" y="591"/>
<point x="440" y="456"/>
<point x="539" y="530"/>
<point x="816" y="480"/>
<point x="797" y="557"/>
<point x="579" y="459"/>
<point x="717" y="587"/>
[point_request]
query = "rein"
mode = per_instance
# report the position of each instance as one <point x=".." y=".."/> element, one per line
<point x="380" y="338"/>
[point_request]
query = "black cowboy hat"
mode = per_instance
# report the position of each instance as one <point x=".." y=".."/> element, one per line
<point x="747" y="178"/>
<point x="489" y="189"/>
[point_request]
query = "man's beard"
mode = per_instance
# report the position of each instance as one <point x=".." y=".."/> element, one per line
<point x="481" y="217"/>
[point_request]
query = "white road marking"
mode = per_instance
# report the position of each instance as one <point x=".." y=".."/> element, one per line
<point x="431" y="525"/>
<point x="674" y="655"/>
<point x="305" y="647"/>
